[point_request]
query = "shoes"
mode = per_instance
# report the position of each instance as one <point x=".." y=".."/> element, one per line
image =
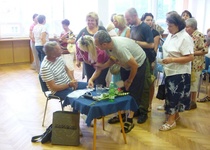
<point x="128" y="126"/>
<point x="160" y="107"/>
<point x="142" y="118"/>
<point x="193" y="105"/>
<point x="166" y="126"/>
<point x="205" y="99"/>
<point x="116" y="119"/>
<point x="137" y="113"/>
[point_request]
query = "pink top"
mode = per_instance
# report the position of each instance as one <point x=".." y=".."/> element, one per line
<point x="83" y="56"/>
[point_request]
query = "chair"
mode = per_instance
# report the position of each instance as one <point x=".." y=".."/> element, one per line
<point x="205" y="72"/>
<point x="48" y="95"/>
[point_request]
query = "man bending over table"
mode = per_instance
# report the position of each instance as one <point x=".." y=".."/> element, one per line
<point x="132" y="59"/>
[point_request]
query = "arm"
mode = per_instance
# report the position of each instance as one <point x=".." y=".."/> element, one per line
<point x="94" y="76"/>
<point x="99" y="68"/>
<point x="156" y="43"/>
<point x="43" y="37"/>
<point x="134" y="66"/>
<point x="145" y="44"/>
<point x="127" y="33"/>
<point x="70" y="74"/>
<point x="200" y="53"/>
<point x="181" y="60"/>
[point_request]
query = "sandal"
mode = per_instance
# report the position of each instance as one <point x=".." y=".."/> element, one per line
<point x="205" y="99"/>
<point x="166" y="126"/>
<point x="116" y="119"/>
<point x="128" y="126"/>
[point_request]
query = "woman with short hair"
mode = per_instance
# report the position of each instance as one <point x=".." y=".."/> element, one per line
<point x="177" y="57"/>
<point x="198" y="64"/>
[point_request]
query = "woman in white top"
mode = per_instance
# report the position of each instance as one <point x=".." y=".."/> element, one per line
<point x="41" y="36"/>
<point x="177" y="57"/>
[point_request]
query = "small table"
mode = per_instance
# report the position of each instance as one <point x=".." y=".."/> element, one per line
<point x="96" y="109"/>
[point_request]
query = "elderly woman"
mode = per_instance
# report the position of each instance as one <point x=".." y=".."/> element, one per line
<point x="177" y="57"/>
<point x="92" y="27"/>
<point x="91" y="55"/>
<point x="200" y="49"/>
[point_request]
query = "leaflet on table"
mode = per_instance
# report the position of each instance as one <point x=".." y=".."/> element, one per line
<point x="78" y="93"/>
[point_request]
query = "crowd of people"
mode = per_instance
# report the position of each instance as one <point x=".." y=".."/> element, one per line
<point x="131" y="42"/>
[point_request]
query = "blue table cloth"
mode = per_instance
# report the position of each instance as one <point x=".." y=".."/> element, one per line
<point x="95" y="109"/>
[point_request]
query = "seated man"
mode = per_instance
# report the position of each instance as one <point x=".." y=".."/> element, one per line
<point x="132" y="59"/>
<point x="55" y="73"/>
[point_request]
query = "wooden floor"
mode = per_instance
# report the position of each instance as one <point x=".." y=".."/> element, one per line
<point x="22" y="104"/>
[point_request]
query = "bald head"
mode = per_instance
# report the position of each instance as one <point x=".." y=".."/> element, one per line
<point x="131" y="16"/>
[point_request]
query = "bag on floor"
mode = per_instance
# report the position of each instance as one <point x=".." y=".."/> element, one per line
<point x="45" y="137"/>
<point x="65" y="128"/>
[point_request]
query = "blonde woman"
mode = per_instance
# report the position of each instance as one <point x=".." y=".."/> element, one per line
<point x="91" y="55"/>
<point x="92" y="27"/>
<point x="120" y="23"/>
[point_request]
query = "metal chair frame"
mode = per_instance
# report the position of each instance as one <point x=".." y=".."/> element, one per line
<point x="49" y="96"/>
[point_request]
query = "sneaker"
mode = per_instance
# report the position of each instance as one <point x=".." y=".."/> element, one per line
<point x="142" y="118"/>
<point x="128" y="126"/>
<point x="116" y="119"/>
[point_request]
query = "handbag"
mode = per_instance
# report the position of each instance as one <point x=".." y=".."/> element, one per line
<point x="161" y="92"/>
<point x="115" y="69"/>
<point x="71" y="48"/>
<point x="43" y="138"/>
<point x="65" y="128"/>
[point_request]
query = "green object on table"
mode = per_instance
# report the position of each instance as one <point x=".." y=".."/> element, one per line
<point x="111" y="92"/>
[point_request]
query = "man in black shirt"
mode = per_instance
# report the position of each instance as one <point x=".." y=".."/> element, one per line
<point x="142" y="34"/>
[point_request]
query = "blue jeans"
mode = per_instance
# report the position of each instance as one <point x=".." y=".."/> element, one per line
<point x="40" y="53"/>
<point x="62" y="94"/>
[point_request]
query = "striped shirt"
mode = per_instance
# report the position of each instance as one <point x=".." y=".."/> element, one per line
<point x="54" y="71"/>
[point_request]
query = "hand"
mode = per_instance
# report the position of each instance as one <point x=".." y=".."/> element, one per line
<point x="127" y="85"/>
<point x="90" y="83"/>
<point x="78" y="63"/>
<point x="74" y="84"/>
<point x="168" y="60"/>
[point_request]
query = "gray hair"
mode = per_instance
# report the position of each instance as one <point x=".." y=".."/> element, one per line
<point x="49" y="47"/>
<point x="192" y="23"/>
<point x="102" y="37"/>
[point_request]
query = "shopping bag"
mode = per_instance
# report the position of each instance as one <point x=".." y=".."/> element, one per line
<point x="65" y="129"/>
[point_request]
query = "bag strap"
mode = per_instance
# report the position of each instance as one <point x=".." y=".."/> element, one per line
<point x="37" y="138"/>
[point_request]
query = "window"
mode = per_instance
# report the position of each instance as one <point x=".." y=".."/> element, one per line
<point x="18" y="17"/>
